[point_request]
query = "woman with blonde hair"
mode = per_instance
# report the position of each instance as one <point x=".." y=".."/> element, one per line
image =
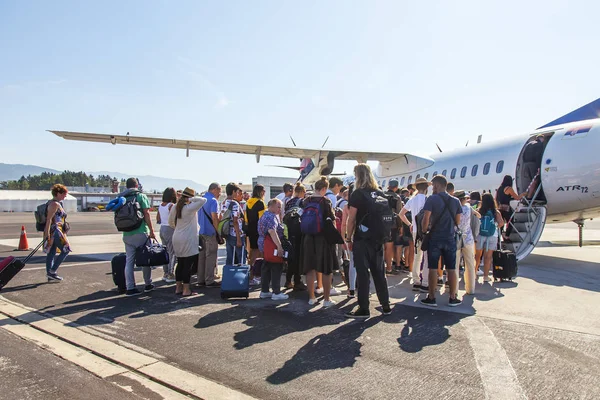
<point x="367" y="249"/>
<point x="55" y="232"/>
<point x="183" y="218"/>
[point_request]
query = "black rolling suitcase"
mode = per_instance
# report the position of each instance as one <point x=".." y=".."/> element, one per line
<point x="10" y="266"/>
<point x="118" y="271"/>
<point x="504" y="264"/>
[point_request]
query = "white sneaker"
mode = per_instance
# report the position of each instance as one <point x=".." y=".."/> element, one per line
<point x="334" y="292"/>
<point x="312" y="302"/>
<point x="319" y="291"/>
<point x="330" y="303"/>
<point x="266" y="295"/>
<point x="280" y="296"/>
<point x="255" y="281"/>
<point x="487" y="279"/>
<point x="479" y="272"/>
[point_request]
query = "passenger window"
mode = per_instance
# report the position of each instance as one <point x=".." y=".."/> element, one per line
<point x="445" y="173"/>
<point x="434" y="173"/>
<point x="402" y="181"/>
<point x="500" y="167"/>
<point x="383" y="184"/>
<point x="418" y="176"/>
<point x="410" y="179"/>
<point x="474" y="170"/>
<point x="463" y="172"/>
<point x="426" y="176"/>
<point x="486" y="168"/>
<point x="453" y="173"/>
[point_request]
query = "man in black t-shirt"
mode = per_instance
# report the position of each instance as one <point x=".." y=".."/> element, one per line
<point x="368" y="255"/>
<point x="441" y="219"/>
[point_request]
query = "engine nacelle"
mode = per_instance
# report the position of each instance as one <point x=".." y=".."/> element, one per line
<point x="326" y="166"/>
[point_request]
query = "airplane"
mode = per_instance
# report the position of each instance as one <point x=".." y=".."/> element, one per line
<point x="570" y="170"/>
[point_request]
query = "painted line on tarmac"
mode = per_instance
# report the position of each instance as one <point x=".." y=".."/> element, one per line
<point x="69" y="265"/>
<point x="497" y="374"/>
<point x="111" y="359"/>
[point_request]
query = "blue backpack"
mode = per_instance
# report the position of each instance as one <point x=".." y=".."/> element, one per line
<point x="488" y="224"/>
<point x="312" y="216"/>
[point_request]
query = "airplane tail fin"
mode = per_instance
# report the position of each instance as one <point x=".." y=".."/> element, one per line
<point x="589" y="111"/>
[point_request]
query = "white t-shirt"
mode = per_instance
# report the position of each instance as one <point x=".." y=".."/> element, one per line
<point x="414" y="205"/>
<point x="280" y="196"/>
<point x="332" y="197"/>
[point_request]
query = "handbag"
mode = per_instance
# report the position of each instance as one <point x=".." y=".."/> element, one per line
<point x="201" y="243"/>
<point x="220" y="239"/>
<point x="332" y="235"/>
<point x="151" y="254"/>
<point x="269" y="251"/>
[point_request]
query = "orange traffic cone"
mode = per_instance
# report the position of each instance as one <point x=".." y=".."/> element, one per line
<point x="23" y="243"/>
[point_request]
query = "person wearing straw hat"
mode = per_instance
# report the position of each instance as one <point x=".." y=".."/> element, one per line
<point x="183" y="218"/>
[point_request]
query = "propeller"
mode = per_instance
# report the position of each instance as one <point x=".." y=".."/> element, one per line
<point x="325" y="142"/>
<point x="292" y="139"/>
<point x="438" y="146"/>
<point x="467" y="143"/>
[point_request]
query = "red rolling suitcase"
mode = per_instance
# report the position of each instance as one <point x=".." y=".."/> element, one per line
<point x="10" y="266"/>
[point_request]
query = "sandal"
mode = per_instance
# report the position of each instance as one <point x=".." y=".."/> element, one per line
<point x="189" y="295"/>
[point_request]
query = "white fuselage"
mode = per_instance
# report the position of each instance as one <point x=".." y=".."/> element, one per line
<point x="570" y="169"/>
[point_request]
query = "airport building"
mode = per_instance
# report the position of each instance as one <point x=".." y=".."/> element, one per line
<point x="273" y="184"/>
<point x="29" y="200"/>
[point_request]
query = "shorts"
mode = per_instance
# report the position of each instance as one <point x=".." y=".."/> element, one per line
<point x="487" y="242"/>
<point x="253" y="241"/>
<point x="444" y="249"/>
<point x="393" y="236"/>
<point x="404" y="241"/>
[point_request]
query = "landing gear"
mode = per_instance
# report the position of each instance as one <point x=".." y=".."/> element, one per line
<point x="579" y="223"/>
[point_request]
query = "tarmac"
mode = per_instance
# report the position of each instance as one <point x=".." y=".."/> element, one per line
<point x="536" y="337"/>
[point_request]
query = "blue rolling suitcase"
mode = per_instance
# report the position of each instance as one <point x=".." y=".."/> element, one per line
<point x="236" y="281"/>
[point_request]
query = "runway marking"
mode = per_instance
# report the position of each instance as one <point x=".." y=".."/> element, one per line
<point x="497" y="374"/>
<point x="68" y="265"/>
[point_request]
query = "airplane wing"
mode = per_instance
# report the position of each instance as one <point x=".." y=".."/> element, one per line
<point x="257" y="150"/>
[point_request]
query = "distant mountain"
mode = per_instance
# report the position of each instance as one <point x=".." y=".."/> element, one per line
<point x="13" y="172"/>
<point x="149" y="183"/>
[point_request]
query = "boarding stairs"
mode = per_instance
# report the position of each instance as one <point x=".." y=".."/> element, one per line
<point x="527" y="221"/>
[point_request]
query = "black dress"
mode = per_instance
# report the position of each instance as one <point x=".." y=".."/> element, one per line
<point x="316" y="254"/>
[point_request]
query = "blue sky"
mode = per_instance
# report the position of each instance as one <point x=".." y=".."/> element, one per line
<point x="385" y="75"/>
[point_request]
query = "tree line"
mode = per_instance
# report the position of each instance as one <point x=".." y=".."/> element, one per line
<point x="46" y="180"/>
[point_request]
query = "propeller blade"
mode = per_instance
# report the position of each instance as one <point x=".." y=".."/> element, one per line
<point x="292" y="139"/>
<point x="467" y="143"/>
<point x="438" y="146"/>
<point x="325" y="142"/>
<point x="286" y="166"/>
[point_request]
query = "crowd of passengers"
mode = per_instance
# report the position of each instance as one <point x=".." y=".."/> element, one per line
<point x="451" y="219"/>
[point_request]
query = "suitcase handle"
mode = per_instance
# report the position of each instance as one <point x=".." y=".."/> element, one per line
<point x="26" y="259"/>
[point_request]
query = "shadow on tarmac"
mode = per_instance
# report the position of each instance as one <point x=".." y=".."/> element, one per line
<point x="556" y="271"/>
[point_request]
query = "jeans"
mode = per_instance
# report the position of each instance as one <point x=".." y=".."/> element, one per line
<point x="52" y="264"/>
<point x="131" y="244"/>
<point x="240" y="254"/>
<point x="166" y="237"/>
<point x="369" y="257"/>
<point x="271" y="273"/>
<point x="207" y="260"/>
<point x="445" y="249"/>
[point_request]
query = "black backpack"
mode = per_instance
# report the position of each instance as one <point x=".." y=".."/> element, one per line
<point x="419" y="222"/>
<point x="379" y="218"/>
<point x="292" y="220"/>
<point x="130" y="216"/>
<point x="393" y="200"/>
